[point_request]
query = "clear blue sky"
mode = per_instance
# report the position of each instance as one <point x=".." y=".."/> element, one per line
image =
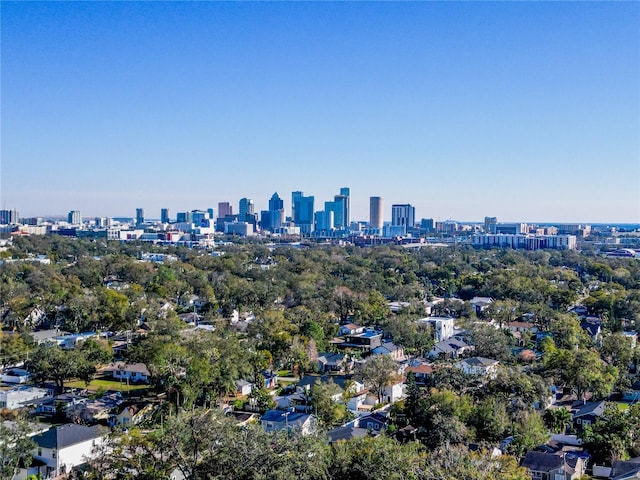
<point x="524" y="111"/>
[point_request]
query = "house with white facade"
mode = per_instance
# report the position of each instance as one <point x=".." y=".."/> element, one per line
<point x="443" y="327"/>
<point x="19" y="397"/>
<point x="61" y="449"/>
<point x="132" y="372"/>
<point x="484" y="367"/>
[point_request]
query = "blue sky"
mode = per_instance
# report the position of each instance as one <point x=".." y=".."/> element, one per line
<point x="524" y="111"/>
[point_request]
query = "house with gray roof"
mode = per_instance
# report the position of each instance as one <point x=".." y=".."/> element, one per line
<point x="274" y="420"/>
<point x="551" y="466"/>
<point x="484" y="367"/>
<point x="61" y="449"/>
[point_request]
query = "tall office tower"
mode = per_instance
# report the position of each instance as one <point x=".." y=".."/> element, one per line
<point x="274" y="218"/>
<point x="403" y="215"/>
<point x="375" y="212"/>
<point x="427" y="224"/>
<point x="302" y="211"/>
<point x="198" y="217"/>
<point x="8" y="216"/>
<point x="341" y="209"/>
<point x="224" y="209"/>
<point x="164" y="215"/>
<point x="139" y="216"/>
<point x="184" y="217"/>
<point x="211" y="213"/>
<point x="490" y="224"/>
<point x="74" y="217"/>
<point x="246" y="209"/>
<point x="275" y="202"/>
<point x="100" y="222"/>
<point x="324" y="220"/>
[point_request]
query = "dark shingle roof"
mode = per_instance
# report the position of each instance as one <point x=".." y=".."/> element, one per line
<point x="67" y="435"/>
<point x="541" y="462"/>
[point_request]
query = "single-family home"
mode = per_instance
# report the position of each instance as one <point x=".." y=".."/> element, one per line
<point x="377" y="422"/>
<point x="19" y="397"/>
<point x="61" y="449"/>
<point x="396" y="352"/>
<point x="331" y="362"/>
<point x="243" y="387"/>
<point x="15" y="375"/>
<point x="450" y="348"/>
<point x="593" y="327"/>
<point x="350" y="329"/>
<point x="484" y="367"/>
<point x="442" y="327"/>
<point x="552" y="466"/>
<point x="365" y="341"/>
<point x="131" y="372"/>
<point x="274" y="420"/>
<point x="131" y="413"/>
<point x="420" y="370"/>
<point x="480" y="304"/>
<point x="625" y="469"/>
<point x="586" y="413"/>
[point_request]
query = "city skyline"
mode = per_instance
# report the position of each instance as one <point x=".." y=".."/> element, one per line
<point x="523" y="111"/>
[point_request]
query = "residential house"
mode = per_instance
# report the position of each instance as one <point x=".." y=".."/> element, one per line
<point x="397" y="307"/>
<point x="625" y="469"/>
<point x="57" y="404"/>
<point x="396" y="352"/>
<point x="274" y="420"/>
<point x="15" y="375"/>
<point x="551" y="466"/>
<point x="377" y="422"/>
<point x="593" y="327"/>
<point x="331" y="362"/>
<point x="523" y="327"/>
<point x="484" y="367"/>
<point x="96" y="410"/>
<point x="480" y="304"/>
<point x="365" y="341"/>
<point x="443" y="327"/>
<point x="394" y="392"/>
<point x="350" y="329"/>
<point x="420" y="370"/>
<point x="130" y="372"/>
<point x="270" y="379"/>
<point x="450" y="348"/>
<point x="131" y="413"/>
<point x="61" y="449"/>
<point x="243" y="387"/>
<point x="19" y="397"/>
<point x="586" y="413"/>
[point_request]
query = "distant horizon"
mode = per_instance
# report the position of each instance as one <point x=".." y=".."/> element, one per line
<point x="463" y="109"/>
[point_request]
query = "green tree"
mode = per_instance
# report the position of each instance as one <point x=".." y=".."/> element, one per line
<point x="615" y="435"/>
<point x="16" y="446"/>
<point x="379" y="371"/>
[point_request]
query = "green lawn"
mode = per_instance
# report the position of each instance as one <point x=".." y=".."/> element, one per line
<point x="106" y="384"/>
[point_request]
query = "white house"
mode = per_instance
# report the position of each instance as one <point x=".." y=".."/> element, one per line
<point x="484" y="367"/>
<point x="18" y="397"/>
<point x="133" y="372"/>
<point x="61" y="449"/>
<point x="443" y="327"/>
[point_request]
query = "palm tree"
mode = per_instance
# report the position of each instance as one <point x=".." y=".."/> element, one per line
<point x="558" y="419"/>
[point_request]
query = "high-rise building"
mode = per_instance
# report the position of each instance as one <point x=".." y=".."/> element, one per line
<point x="74" y="217"/>
<point x="375" y="212"/>
<point x="403" y="215"/>
<point x="164" y="215"/>
<point x="211" y="213"/>
<point x="490" y="224"/>
<point x="246" y="209"/>
<point x="427" y="224"/>
<point x="324" y="221"/>
<point x="8" y="216"/>
<point x="139" y="216"/>
<point x="184" y="217"/>
<point x="302" y="212"/>
<point x="224" y="209"/>
<point x="274" y="217"/>
<point x="341" y="212"/>
<point x="198" y="217"/>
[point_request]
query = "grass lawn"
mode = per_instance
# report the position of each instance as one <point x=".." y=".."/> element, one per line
<point x="106" y="384"/>
<point x="285" y="373"/>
